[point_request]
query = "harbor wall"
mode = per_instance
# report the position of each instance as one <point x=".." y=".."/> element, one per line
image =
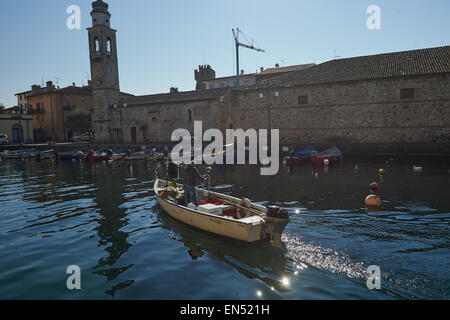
<point x="369" y="111"/>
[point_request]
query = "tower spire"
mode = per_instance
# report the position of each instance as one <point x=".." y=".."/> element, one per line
<point x="104" y="71"/>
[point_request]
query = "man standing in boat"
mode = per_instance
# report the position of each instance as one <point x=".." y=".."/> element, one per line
<point x="191" y="174"/>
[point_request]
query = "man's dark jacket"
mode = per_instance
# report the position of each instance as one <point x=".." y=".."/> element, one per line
<point x="191" y="174"/>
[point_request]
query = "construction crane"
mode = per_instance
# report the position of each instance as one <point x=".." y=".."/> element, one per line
<point x="239" y="44"/>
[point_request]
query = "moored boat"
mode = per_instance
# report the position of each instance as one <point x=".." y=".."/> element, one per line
<point x="97" y="156"/>
<point x="69" y="155"/>
<point x="333" y="155"/>
<point x="15" y="154"/>
<point x="223" y="215"/>
<point x="299" y="157"/>
<point x="135" y="156"/>
<point x="115" y="156"/>
<point x="48" y="154"/>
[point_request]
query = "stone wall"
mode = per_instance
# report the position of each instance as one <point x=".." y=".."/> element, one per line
<point x="352" y="112"/>
<point x="156" y="122"/>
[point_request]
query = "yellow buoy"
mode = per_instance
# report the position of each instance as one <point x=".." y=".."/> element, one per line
<point x="373" y="186"/>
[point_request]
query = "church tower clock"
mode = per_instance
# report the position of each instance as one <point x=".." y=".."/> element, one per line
<point x="104" y="71"/>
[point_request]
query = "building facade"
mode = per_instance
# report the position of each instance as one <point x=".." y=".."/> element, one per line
<point x="396" y="97"/>
<point x="400" y="97"/>
<point x="53" y="111"/>
<point x="18" y="127"/>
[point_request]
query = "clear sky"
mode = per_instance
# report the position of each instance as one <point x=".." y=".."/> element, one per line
<point x="160" y="43"/>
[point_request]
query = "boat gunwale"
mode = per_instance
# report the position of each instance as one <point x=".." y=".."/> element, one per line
<point x="262" y="220"/>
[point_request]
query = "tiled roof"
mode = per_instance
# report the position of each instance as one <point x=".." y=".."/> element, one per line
<point x="288" y="68"/>
<point x="380" y="66"/>
<point x="77" y="90"/>
<point x="210" y="94"/>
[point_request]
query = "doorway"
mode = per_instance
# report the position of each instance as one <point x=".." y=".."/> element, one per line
<point x="133" y="133"/>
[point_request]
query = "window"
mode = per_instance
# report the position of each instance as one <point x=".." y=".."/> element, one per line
<point x="190" y="115"/>
<point x="96" y="44"/>
<point x="276" y="94"/>
<point x="407" y="93"/>
<point x="261" y="95"/>
<point x="108" y="46"/>
<point x="303" y="100"/>
<point x="211" y="86"/>
<point x="222" y="85"/>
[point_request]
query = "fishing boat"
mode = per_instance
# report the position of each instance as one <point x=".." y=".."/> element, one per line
<point x="48" y="154"/>
<point x="155" y="155"/>
<point x="299" y="157"/>
<point x="14" y="154"/>
<point x="32" y="153"/>
<point x="117" y="155"/>
<point x="97" y="156"/>
<point x="223" y="215"/>
<point x="69" y="155"/>
<point x="333" y="155"/>
<point x="135" y="156"/>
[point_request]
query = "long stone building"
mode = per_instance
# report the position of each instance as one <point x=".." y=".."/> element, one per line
<point x="385" y="98"/>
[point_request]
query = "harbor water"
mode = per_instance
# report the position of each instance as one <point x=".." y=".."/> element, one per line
<point x="105" y="219"/>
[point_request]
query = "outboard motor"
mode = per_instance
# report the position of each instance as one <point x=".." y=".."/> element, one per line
<point x="277" y="219"/>
<point x="275" y="212"/>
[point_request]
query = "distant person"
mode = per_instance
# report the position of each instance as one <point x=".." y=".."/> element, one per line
<point x="191" y="174"/>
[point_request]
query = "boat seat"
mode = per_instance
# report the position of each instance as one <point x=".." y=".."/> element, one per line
<point x="254" y="220"/>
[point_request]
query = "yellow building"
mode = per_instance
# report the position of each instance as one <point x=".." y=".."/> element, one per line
<point x="18" y="127"/>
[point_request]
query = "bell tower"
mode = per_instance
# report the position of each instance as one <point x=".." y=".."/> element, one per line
<point x="104" y="71"/>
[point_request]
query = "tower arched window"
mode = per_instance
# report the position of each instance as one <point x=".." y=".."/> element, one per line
<point x="108" y="46"/>
<point x="96" y="44"/>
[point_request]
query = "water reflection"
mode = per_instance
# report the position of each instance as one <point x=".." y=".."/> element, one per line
<point x="104" y="215"/>
<point x="261" y="262"/>
<point x="113" y="217"/>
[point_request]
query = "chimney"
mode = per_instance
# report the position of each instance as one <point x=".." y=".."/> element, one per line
<point x="262" y="69"/>
<point x="73" y="84"/>
<point x="35" y="89"/>
<point x="49" y="84"/>
<point x="277" y="65"/>
<point x="242" y="72"/>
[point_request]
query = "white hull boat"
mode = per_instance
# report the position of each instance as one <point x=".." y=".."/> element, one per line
<point x="135" y="156"/>
<point x="229" y="216"/>
<point x="118" y="156"/>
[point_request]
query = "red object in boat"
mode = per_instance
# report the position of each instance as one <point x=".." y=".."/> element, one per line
<point x="333" y="155"/>
<point x="213" y="201"/>
<point x="230" y="213"/>
<point x="98" y="157"/>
